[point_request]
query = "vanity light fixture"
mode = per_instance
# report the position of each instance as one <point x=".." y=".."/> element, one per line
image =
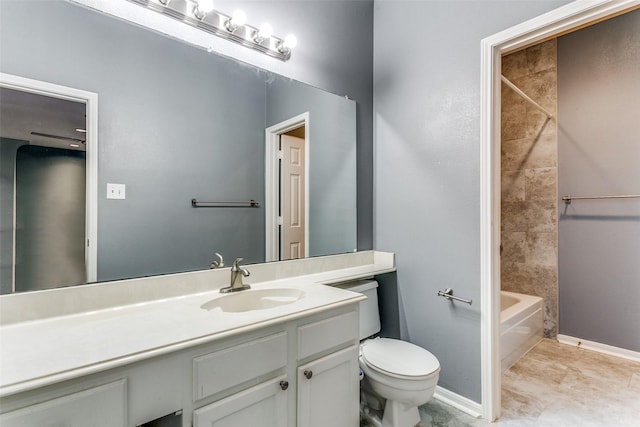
<point x="202" y="15"/>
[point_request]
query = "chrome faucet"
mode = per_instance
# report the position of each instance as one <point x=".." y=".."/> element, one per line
<point x="237" y="273"/>
<point x="219" y="263"/>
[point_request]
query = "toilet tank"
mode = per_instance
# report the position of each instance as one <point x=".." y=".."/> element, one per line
<point x="369" y="315"/>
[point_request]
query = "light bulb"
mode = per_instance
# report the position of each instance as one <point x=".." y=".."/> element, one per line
<point x="264" y="32"/>
<point x="205" y="6"/>
<point x="290" y="42"/>
<point x="202" y="8"/>
<point x="239" y="18"/>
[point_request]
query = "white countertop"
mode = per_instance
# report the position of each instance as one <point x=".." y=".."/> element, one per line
<point x="46" y="350"/>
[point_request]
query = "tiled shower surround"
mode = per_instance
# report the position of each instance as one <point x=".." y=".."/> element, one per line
<point x="529" y="225"/>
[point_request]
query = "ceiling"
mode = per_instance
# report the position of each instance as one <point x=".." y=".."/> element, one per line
<point x="22" y="113"/>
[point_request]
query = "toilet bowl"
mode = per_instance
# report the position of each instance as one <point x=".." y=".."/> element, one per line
<point x="402" y="374"/>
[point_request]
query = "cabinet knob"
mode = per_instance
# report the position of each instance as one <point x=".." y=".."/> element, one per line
<point x="308" y="374"/>
<point x="284" y="384"/>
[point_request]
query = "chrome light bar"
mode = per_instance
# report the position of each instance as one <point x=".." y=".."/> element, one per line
<point x="192" y="13"/>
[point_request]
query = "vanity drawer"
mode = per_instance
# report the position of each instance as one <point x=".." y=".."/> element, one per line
<point x="223" y="369"/>
<point x="327" y="334"/>
<point x="102" y="406"/>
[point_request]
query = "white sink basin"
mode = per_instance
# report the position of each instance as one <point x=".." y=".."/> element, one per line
<point x="258" y="299"/>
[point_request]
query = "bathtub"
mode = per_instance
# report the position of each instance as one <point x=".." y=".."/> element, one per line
<point x="521" y="325"/>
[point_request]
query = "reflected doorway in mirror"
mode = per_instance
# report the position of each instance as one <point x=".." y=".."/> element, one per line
<point x="287" y="189"/>
<point x="27" y="263"/>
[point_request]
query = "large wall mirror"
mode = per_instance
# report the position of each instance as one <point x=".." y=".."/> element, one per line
<point x="174" y="123"/>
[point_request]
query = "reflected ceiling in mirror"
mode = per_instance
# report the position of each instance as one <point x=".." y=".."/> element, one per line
<point x="177" y="123"/>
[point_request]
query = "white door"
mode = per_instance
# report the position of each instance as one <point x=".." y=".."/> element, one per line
<point x="263" y="405"/>
<point x="292" y="198"/>
<point x="329" y="390"/>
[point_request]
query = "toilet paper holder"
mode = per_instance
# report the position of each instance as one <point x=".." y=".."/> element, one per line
<point x="448" y="294"/>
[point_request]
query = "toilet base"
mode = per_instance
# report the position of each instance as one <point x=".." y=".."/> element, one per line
<point x="376" y="411"/>
<point x="397" y="414"/>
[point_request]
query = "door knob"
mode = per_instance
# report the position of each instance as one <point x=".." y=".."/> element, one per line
<point x="284" y="384"/>
<point x="308" y="374"/>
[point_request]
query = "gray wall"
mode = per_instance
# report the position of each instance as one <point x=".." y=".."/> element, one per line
<point x="165" y="158"/>
<point x="335" y="53"/>
<point x="50" y="218"/>
<point x="427" y="167"/>
<point x="160" y="200"/>
<point x="599" y="154"/>
<point x="8" y="150"/>
<point x="331" y="186"/>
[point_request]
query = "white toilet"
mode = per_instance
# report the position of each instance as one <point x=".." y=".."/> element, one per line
<point x="401" y="373"/>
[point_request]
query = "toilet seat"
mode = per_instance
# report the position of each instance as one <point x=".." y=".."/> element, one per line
<point x="399" y="359"/>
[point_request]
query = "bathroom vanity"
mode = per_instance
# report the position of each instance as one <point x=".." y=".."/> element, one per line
<point x="284" y="353"/>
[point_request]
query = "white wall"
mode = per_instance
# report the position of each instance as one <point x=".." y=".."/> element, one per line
<point x="426" y="149"/>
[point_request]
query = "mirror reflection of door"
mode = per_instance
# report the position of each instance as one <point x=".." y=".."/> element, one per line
<point x="49" y="218"/>
<point x="42" y="191"/>
<point x="292" y="197"/>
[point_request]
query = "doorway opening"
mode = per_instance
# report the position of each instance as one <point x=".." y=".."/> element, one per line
<point x="550" y="25"/>
<point x="49" y="167"/>
<point x="287" y="189"/>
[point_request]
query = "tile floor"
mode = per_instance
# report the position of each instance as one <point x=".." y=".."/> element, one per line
<point x="558" y="385"/>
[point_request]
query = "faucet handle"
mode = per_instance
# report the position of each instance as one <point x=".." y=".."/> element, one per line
<point x="236" y="263"/>
<point x="219" y="263"/>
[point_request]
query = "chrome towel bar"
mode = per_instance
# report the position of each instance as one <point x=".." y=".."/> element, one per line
<point x="448" y="294"/>
<point x="567" y="199"/>
<point x="250" y="204"/>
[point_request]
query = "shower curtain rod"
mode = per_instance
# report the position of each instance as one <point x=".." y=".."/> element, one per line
<point x="525" y="96"/>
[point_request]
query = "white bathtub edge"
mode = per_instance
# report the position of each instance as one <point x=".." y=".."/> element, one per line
<point x="459" y="402"/>
<point x="599" y="347"/>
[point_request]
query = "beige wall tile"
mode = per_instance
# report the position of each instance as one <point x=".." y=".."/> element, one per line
<point x="541" y="216"/>
<point x="513" y="185"/>
<point x="513" y="116"/>
<point x="538" y="280"/>
<point x="529" y="153"/>
<point x="515" y="65"/>
<point x="511" y="216"/>
<point x="540" y="184"/>
<point x="542" y="56"/>
<point x="542" y="249"/>
<point x="541" y="87"/>
<point x="529" y="261"/>
<point x="514" y="246"/>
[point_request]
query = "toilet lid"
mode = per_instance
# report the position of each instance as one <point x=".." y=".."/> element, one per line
<point x="399" y="357"/>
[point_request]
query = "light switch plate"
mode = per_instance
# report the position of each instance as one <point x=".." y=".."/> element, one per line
<point x="116" y="191"/>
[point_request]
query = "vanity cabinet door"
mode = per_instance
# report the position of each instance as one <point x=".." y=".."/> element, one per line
<point x="328" y="390"/>
<point x="264" y="405"/>
<point x="103" y="406"/>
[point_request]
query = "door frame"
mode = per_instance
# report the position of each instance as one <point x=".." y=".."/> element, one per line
<point x="565" y="19"/>
<point x="90" y="99"/>
<point x="271" y="195"/>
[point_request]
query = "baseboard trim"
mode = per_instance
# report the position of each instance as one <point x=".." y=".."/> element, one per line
<point x="600" y="348"/>
<point x="459" y="402"/>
